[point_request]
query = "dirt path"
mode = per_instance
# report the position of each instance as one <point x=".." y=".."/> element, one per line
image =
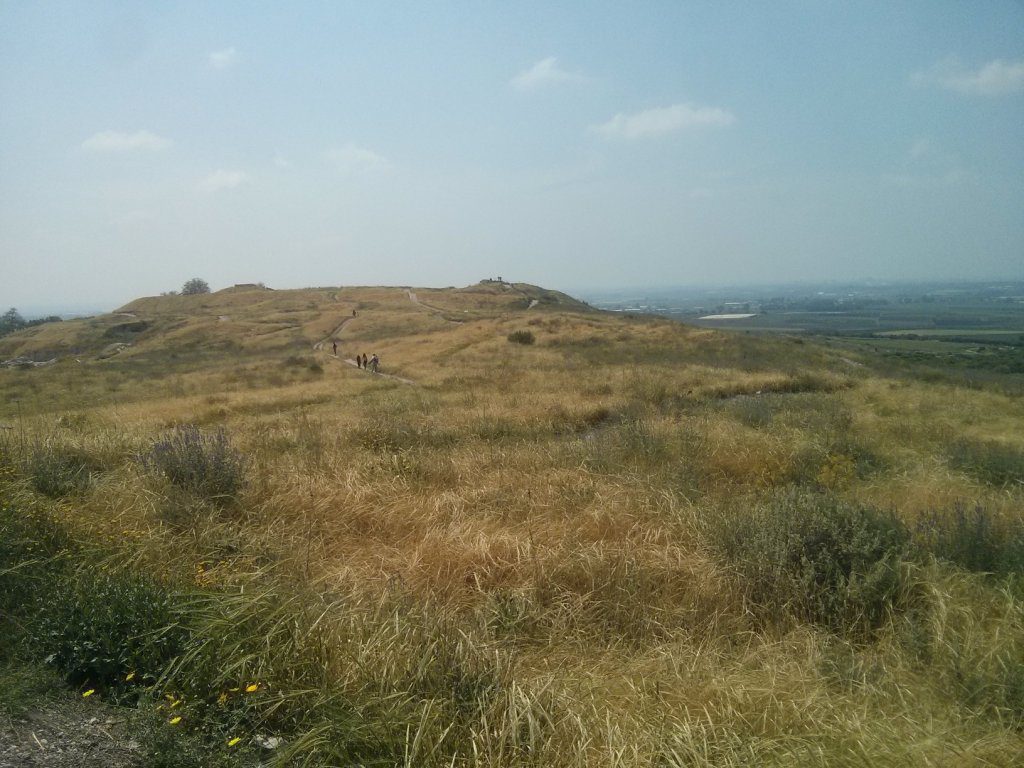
<point x="253" y="335"/>
<point x="354" y="364"/>
<point x="68" y="733"/>
<point x="333" y="334"/>
<point x="433" y="310"/>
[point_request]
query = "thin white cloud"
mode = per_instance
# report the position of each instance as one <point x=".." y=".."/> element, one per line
<point x="118" y="141"/>
<point x="223" y="59"/>
<point x="993" y="79"/>
<point x="280" y="161"/>
<point x="355" y="159"/>
<point x="223" y="179"/>
<point x="657" y="122"/>
<point x="544" y="72"/>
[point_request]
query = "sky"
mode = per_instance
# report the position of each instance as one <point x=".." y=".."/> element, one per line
<point x="578" y="146"/>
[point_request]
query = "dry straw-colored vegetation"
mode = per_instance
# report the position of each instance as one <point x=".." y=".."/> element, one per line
<point x="628" y="543"/>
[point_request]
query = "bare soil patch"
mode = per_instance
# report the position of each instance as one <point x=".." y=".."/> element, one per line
<point x="69" y="733"/>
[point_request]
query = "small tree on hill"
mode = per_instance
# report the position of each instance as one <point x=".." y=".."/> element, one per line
<point x="194" y="286"/>
<point x="11" y="321"/>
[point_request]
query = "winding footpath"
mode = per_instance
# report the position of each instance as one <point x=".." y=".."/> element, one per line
<point x="333" y="334"/>
<point x="433" y="310"/>
<point x="319" y="347"/>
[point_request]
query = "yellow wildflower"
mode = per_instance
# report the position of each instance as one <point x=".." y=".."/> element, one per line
<point x="234" y="741"/>
<point x="129" y="677"/>
<point x="174" y="720"/>
<point x="222" y="699"/>
<point x="88" y="693"/>
<point x="252" y="687"/>
<point x="175" y="703"/>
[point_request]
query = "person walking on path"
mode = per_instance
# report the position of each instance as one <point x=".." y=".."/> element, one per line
<point x="359" y="361"/>
<point x="335" y="348"/>
<point x="374" y="362"/>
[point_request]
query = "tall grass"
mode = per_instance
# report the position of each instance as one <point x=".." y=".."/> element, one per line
<point x="627" y="544"/>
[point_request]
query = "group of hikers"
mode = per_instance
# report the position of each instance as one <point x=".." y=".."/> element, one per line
<point x="370" y="364"/>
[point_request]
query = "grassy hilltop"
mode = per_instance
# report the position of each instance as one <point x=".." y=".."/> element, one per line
<point x="550" y="537"/>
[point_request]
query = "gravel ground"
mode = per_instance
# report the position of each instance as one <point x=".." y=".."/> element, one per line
<point x="68" y="733"/>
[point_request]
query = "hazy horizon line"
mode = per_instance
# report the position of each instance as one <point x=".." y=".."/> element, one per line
<point x="37" y="310"/>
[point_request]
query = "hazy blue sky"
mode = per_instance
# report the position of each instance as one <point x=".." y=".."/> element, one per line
<point x="574" y="145"/>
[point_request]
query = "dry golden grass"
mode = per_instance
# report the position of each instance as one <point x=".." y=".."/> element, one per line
<point x="552" y="500"/>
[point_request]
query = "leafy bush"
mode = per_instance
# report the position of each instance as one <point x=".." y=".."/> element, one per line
<point x="202" y="463"/>
<point x="522" y="337"/>
<point x="973" y="539"/>
<point x="823" y="560"/>
<point x="97" y="627"/>
<point x="990" y="461"/>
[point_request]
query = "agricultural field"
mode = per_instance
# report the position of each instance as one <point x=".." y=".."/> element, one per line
<point x="543" y="535"/>
<point x="959" y="332"/>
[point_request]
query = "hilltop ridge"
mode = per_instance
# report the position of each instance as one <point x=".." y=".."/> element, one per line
<point x="256" y="318"/>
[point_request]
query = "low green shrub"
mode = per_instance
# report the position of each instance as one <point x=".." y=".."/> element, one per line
<point x="98" y="627"/>
<point x="817" y="558"/>
<point x="990" y="461"/>
<point x="205" y="464"/>
<point x="522" y="337"/>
